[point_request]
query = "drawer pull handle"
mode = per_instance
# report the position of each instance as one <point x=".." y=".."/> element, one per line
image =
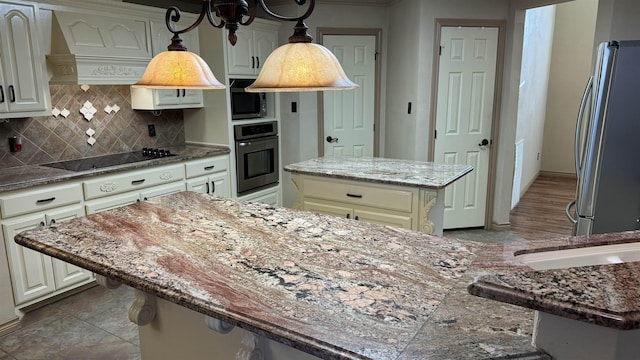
<point x="209" y="167"/>
<point x="354" y="196"/>
<point x="137" y="182"/>
<point x="45" y="201"/>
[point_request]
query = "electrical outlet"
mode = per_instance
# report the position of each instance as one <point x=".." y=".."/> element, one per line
<point x="152" y="130"/>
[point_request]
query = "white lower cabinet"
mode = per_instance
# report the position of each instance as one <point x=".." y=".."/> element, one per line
<point x="116" y="201"/>
<point x="269" y="196"/>
<point x="34" y="275"/>
<point x="217" y="184"/>
<point x="209" y="176"/>
<point x="383" y="217"/>
<point x="385" y="204"/>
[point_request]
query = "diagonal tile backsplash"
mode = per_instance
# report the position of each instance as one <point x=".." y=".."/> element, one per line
<point x="48" y="138"/>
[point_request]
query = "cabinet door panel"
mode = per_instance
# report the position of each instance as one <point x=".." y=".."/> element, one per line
<point x="198" y="185"/>
<point x="22" y="62"/>
<point x="239" y="55"/>
<point x="162" y="190"/>
<point x="265" y="43"/>
<point x="220" y="185"/>
<point x="31" y="271"/>
<point x="111" y="202"/>
<point x="335" y="210"/>
<point x="64" y="273"/>
<point x="402" y="221"/>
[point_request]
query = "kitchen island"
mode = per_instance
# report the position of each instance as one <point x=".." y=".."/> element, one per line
<point x="404" y="193"/>
<point x="323" y="286"/>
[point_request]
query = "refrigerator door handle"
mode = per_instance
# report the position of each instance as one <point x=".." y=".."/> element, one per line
<point x="567" y="211"/>
<point x="578" y="135"/>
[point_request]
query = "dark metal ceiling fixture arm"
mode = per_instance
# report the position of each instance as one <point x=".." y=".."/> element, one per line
<point x="173" y="15"/>
<point x="300" y="33"/>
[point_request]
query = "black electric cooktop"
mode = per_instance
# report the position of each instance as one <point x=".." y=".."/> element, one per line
<point x="99" y="162"/>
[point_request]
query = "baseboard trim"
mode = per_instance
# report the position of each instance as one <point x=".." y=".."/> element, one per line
<point x="558" y="174"/>
<point x="10" y="326"/>
<point x="500" y="227"/>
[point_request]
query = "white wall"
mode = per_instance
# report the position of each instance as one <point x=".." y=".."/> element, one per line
<point x="570" y="69"/>
<point x="411" y="45"/>
<point x="534" y="76"/>
<point x="299" y="131"/>
<point x="617" y="20"/>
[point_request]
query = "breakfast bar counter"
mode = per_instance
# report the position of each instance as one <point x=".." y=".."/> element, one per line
<point x="404" y="193"/>
<point x="292" y="281"/>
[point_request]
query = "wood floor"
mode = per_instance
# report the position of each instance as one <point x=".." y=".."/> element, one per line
<point x="540" y="213"/>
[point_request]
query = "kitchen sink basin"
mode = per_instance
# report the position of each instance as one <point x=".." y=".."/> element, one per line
<point x="586" y="256"/>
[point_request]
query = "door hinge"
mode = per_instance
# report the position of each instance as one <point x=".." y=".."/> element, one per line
<point x="375" y="56"/>
<point x="435" y="134"/>
<point x="374" y="127"/>
<point x="440" y="50"/>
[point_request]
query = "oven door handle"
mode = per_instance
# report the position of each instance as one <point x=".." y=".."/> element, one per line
<point x="244" y="144"/>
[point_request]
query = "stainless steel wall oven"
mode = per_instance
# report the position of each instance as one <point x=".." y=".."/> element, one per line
<point x="256" y="156"/>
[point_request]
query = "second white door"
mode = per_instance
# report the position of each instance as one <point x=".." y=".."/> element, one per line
<point x="349" y="115"/>
<point x="464" y="113"/>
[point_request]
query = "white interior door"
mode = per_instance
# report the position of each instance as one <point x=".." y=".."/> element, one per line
<point x="466" y="82"/>
<point x="349" y="115"/>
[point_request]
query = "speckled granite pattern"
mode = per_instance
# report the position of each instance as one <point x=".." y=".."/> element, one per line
<point x="605" y="295"/>
<point x="381" y="170"/>
<point x="332" y="287"/>
<point x="22" y="177"/>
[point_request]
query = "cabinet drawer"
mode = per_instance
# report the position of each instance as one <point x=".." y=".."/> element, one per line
<point x="355" y="193"/>
<point x="206" y="166"/>
<point x="116" y="184"/>
<point x="48" y="197"/>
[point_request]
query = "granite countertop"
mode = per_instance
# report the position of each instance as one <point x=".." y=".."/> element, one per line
<point x="333" y="287"/>
<point x="382" y="170"/>
<point x="21" y="177"/>
<point x="605" y="295"/>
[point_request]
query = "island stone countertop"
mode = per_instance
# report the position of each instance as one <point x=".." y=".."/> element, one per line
<point x="22" y="177"/>
<point x="382" y="170"/>
<point x="605" y="295"/>
<point x="335" y="288"/>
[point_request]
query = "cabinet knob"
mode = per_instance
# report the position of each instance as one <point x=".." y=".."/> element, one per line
<point x="348" y="216"/>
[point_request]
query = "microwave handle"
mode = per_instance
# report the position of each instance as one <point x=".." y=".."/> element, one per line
<point x="243" y="144"/>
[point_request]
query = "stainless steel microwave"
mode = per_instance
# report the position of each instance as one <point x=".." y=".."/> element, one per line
<point x="246" y="105"/>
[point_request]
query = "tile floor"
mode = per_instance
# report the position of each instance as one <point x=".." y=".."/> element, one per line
<point x="93" y="325"/>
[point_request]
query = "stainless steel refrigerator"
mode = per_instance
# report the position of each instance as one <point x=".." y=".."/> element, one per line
<point x="607" y="144"/>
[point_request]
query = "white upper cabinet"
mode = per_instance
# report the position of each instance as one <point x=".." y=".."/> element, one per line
<point x="251" y="50"/>
<point x="152" y="99"/>
<point x="23" y="90"/>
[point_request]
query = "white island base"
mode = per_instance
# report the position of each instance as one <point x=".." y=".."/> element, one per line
<point x="180" y="333"/>
<point x="413" y="208"/>
<point x="565" y="338"/>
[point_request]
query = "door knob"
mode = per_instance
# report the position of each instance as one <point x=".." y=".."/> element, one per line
<point x="332" y="139"/>
<point x="483" y="143"/>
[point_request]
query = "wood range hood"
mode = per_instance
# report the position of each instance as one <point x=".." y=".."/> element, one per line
<point x="97" y="50"/>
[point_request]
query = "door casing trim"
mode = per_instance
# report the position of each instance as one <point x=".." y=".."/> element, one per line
<point x="321" y="31"/>
<point x="495" y="123"/>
